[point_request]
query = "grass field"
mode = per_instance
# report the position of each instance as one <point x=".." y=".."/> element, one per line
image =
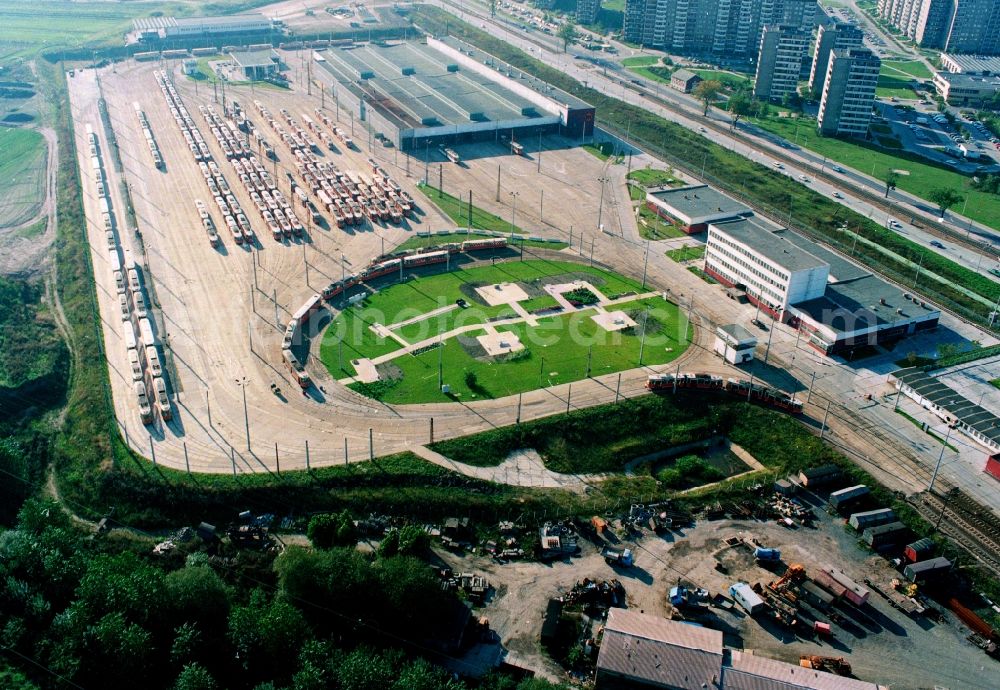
<point x="22" y="175"/>
<point x="730" y="80"/>
<point x="417" y="242"/>
<point x="688" y="253"/>
<point x="894" y="87"/>
<point x="648" y="66"/>
<point x="649" y="177"/>
<point x="912" y="68"/>
<point x="921" y="177"/>
<point x="556" y="349"/>
<point x="458" y="210"/>
<point x="653" y="227"/>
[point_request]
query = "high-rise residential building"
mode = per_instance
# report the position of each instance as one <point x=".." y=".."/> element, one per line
<point x="829" y="37"/>
<point x="957" y="26"/>
<point x="721" y="28"/>
<point x="779" y="62"/>
<point x="845" y="109"/>
<point x="587" y="11"/>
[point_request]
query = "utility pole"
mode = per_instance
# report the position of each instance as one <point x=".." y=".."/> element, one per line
<point x="242" y="383"/>
<point x="498" y="183"/>
<point x="930" y="487"/>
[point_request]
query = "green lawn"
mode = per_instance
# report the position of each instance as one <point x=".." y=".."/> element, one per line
<point x="22" y="175"/>
<point x="648" y="66"/>
<point x="894" y="87"/>
<point x="688" y="253"/>
<point x="405" y="301"/>
<point x="730" y="80"/>
<point x="649" y="177"/>
<point x="551" y="356"/>
<point x="602" y="150"/>
<point x="653" y="227"/>
<point x="458" y="210"/>
<point x="913" y="68"/>
<point x="922" y="177"/>
<point x="640" y="60"/>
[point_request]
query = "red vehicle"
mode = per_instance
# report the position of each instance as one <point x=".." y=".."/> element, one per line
<point x="425" y="259"/>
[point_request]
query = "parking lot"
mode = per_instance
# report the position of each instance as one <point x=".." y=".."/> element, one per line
<point x="928" y="133"/>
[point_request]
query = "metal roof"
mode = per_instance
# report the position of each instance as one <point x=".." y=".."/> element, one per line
<point x="255" y="58"/>
<point x="951" y="401"/>
<point x="684" y="75"/>
<point x="975" y="63"/>
<point x="737" y="332"/>
<point x="659" y="651"/>
<point x="749" y="672"/>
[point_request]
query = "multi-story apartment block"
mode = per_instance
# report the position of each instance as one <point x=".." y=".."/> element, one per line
<point x="779" y="62"/>
<point x="958" y="26"/>
<point x="845" y="109"/>
<point x="828" y="38"/>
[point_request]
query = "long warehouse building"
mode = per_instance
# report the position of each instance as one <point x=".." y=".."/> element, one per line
<point x="443" y="91"/>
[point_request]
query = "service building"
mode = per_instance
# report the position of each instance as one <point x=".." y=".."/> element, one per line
<point x="418" y="94"/>
<point x="695" y="206"/>
<point x="734" y="343"/>
<point x="837" y="305"/>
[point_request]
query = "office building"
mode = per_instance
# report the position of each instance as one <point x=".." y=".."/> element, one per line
<point x="959" y="26"/>
<point x="587" y="11"/>
<point x="729" y="29"/>
<point x="829" y="37"/>
<point x="845" y="108"/>
<point x="837" y="305"/>
<point x="779" y="63"/>
<point x="967" y="90"/>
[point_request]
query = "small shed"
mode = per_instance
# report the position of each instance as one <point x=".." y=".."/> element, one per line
<point x="734" y="343"/>
<point x="684" y="80"/>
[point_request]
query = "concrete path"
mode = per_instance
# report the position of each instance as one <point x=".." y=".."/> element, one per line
<point x="423" y="317"/>
<point x="385" y="332"/>
<point x="522" y="468"/>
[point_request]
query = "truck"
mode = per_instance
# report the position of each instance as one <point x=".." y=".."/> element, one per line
<point x="620" y="557"/>
<point x="748" y="599"/>
<point x="767" y="555"/>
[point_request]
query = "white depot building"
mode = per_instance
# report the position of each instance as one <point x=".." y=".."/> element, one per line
<point x="838" y="305"/>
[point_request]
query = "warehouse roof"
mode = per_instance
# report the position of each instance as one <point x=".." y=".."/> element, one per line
<point x="951" y="401"/>
<point x="254" y="58"/>
<point x="228" y="20"/>
<point x="749" y="672"/>
<point x="770" y="241"/>
<point x="862" y="303"/>
<point x="658" y="651"/>
<point x="840" y="268"/>
<point x="979" y="64"/>
<point x="699" y="204"/>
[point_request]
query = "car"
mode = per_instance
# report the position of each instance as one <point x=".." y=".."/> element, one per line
<point x="838" y="195"/>
<point x="995" y="271"/>
<point x="778" y="165"/>
<point x="803" y="178"/>
<point x="838" y="169"/>
<point x="935" y="243"/>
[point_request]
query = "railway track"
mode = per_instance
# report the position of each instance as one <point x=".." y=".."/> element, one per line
<point x="970" y="526"/>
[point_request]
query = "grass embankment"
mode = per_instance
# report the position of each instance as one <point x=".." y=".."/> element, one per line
<point x="759" y="184"/>
<point x="558" y="349"/>
<point x="22" y="175"/>
<point x="458" y="210"/>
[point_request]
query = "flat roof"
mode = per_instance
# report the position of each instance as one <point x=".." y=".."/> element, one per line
<point x="974" y="63"/>
<point x="970" y="79"/>
<point x="737" y="332"/>
<point x="660" y="651"/>
<point x="264" y="57"/>
<point x="951" y="401"/>
<point x="430" y="96"/>
<point x="699" y="201"/>
<point x="772" y="242"/>
<point x="841" y="269"/>
<point x="854" y="305"/>
<point x="750" y="672"/>
<point x="231" y="19"/>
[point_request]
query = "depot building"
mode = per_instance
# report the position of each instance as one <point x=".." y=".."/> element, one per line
<point x="836" y="304"/>
<point x="417" y="94"/>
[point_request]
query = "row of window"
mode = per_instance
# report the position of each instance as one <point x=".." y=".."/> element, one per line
<point x="740" y="255"/>
<point x="735" y="275"/>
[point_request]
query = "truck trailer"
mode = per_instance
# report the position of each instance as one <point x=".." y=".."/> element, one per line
<point x="742" y="593"/>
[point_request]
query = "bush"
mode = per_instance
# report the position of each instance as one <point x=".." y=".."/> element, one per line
<point x="328" y="530"/>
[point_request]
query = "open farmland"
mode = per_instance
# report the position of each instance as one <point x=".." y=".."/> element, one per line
<point x="22" y="175"/>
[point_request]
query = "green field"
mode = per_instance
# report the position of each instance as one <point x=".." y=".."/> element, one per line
<point x="22" y="175"/>
<point x="650" y="177"/>
<point x="730" y="80"/>
<point x="652" y="226"/>
<point x="458" y="210"/>
<point x="895" y="87"/>
<point x="556" y="349"/>
<point x="648" y="66"/>
<point x="687" y="253"/>
<point x="921" y="177"/>
<point x="418" y="242"/>
<point x="912" y="68"/>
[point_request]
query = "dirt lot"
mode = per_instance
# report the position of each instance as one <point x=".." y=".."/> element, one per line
<point x="882" y="644"/>
<point x="216" y="328"/>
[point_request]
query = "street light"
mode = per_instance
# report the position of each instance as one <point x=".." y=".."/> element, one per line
<point x="600" y="205"/>
<point x="513" y="210"/>
<point x="242" y="382"/>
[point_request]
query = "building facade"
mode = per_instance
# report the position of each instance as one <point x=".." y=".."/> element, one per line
<point x="721" y="28"/>
<point x="845" y="108"/>
<point x="959" y="26"/>
<point x="779" y="62"/>
<point x="967" y="90"/>
<point x="587" y="11"/>
<point x="829" y="37"/>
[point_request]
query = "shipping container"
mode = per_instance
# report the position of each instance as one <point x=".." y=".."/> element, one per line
<point x="829" y="584"/>
<point x="848" y="495"/>
<point x="853" y="592"/>
<point x="993" y="466"/>
<point x="746" y="597"/>
<point x="920" y="550"/>
<point x="871" y="518"/>
<point x="883" y="536"/>
<point x="926" y="570"/>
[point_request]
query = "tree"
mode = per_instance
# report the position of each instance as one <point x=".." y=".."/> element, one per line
<point x="493" y="8"/>
<point x="740" y="105"/>
<point x="267" y="635"/>
<point x="413" y="540"/>
<point x="328" y="530"/>
<point x="194" y="677"/>
<point x="891" y="178"/>
<point x="706" y="92"/>
<point x="945" y="198"/>
<point x="198" y="595"/>
<point x="568" y="34"/>
<point x="421" y="675"/>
